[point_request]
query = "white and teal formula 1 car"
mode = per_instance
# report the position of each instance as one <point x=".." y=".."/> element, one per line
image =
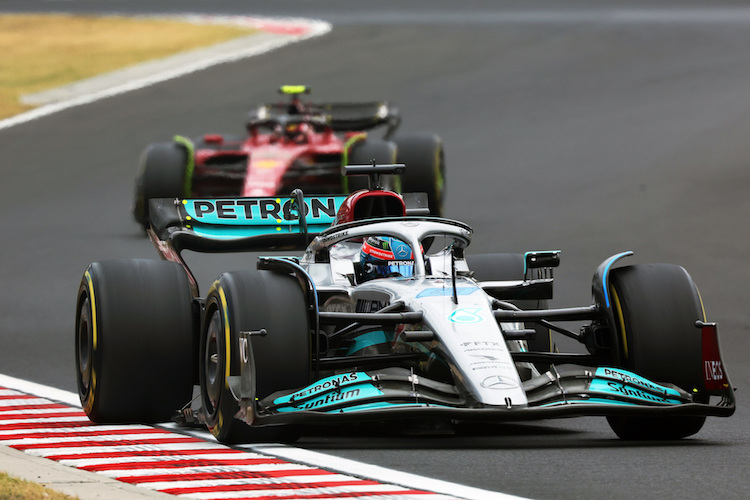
<point x="382" y="315"/>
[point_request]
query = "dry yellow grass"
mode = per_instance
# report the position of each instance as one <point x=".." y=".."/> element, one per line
<point x="39" y="52"/>
<point x="12" y="488"/>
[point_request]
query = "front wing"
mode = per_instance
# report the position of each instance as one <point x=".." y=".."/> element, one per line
<point x="569" y="390"/>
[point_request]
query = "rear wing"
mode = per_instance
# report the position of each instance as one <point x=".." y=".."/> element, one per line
<point x="342" y="116"/>
<point x="237" y="225"/>
<point x="240" y="224"/>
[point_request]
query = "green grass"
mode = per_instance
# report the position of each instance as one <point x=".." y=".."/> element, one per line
<point x="12" y="488"/>
<point x="41" y="52"/>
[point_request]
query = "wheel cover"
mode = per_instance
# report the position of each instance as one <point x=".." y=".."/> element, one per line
<point x="84" y="347"/>
<point x="213" y="363"/>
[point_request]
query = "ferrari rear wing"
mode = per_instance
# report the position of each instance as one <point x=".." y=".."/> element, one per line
<point x="343" y="116"/>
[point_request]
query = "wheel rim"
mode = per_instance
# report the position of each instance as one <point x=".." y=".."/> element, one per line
<point x="212" y="365"/>
<point x="84" y="347"/>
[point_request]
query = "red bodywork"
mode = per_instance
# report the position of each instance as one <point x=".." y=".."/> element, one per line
<point x="267" y="164"/>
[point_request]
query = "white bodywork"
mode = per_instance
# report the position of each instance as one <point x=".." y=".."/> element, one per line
<point x="472" y="340"/>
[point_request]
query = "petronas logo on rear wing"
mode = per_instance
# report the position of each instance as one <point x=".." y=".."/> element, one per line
<point x="244" y="217"/>
<point x="266" y="211"/>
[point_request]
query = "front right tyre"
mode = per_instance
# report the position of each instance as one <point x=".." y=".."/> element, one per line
<point x="656" y="307"/>
<point x="279" y="359"/>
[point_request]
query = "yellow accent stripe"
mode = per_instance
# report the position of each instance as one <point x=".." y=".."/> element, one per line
<point x="92" y="301"/>
<point x="700" y="299"/>
<point x="187" y="190"/>
<point x="345" y="157"/>
<point x="620" y="320"/>
<point x="227" y="347"/>
<point x="438" y="174"/>
<point x="95" y="335"/>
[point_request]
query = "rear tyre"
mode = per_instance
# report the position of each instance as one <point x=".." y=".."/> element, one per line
<point x="134" y="341"/>
<point x="363" y="153"/>
<point x="509" y="267"/>
<point x="656" y="307"/>
<point x="250" y="301"/>
<point x="425" y="168"/>
<point x="163" y="174"/>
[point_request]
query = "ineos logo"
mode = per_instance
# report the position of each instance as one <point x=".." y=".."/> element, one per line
<point x="498" y="382"/>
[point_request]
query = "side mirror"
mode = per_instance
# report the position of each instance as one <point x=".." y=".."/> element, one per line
<point x="546" y="259"/>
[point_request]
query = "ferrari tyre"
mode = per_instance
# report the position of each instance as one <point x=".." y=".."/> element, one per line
<point x="656" y="307"/>
<point x="510" y="267"/>
<point x="363" y="153"/>
<point x="252" y="300"/>
<point x="425" y="167"/>
<point x="134" y="341"/>
<point x="163" y="173"/>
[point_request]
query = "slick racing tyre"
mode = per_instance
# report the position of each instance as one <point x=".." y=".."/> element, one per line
<point x="425" y="168"/>
<point x="363" y="153"/>
<point x="251" y="301"/>
<point x="164" y="168"/>
<point x="509" y="267"/>
<point x="656" y="307"/>
<point x="134" y="341"/>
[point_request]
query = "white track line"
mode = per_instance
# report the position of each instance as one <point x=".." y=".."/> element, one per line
<point x="295" y="455"/>
<point x="273" y="36"/>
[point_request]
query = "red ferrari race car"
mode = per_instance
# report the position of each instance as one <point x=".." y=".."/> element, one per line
<point x="293" y="144"/>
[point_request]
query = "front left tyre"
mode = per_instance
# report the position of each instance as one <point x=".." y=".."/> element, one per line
<point x="134" y="339"/>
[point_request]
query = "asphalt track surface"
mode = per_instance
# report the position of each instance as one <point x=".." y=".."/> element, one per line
<point x="589" y="127"/>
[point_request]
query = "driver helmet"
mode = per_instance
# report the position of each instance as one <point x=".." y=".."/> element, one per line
<point x="385" y="256"/>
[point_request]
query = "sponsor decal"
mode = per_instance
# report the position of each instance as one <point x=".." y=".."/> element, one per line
<point x="323" y="385"/>
<point x="714" y="374"/>
<point x="266" y="163"/>
<point x="334" y="236"/>
<point x="486" y="357"/>
<point x="713" y="371"/>
<point x="361" y="391"/>
<point x="466" y="316"/>
<point x="320" y="210"/>
<point x="622" y="390"/>
<point x="401" y="251"/>
<point x="483" y="344"/>
<point x="446" y="292"/>
<point x="486" y="362"/>
<point x="633" y="379"/>
<point x="400" y="263"/>
<point x="498" y="382"/>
